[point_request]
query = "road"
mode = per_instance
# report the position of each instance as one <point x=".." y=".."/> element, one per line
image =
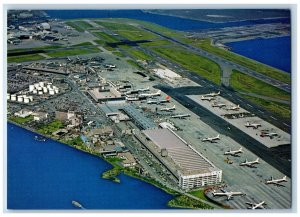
<point x="221" y="61"/>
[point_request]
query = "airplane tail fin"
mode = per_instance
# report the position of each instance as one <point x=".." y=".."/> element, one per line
<point x="219" y="92"/>
<point x="241" y="149"/>
<point x="238" y="106"/>
<point x="218" y="136"/>
<point x="214" y="192"/>
<point x="284" y="178"/>
<point x="158" y="92"/>
<point x="257" y="160"/>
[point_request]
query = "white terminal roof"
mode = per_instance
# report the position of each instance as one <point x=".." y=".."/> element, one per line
<point x="189" y="160"/>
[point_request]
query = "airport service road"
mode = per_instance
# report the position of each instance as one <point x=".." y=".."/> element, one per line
<point x="223" y="61"/>
<point x="283" y="138"/>
<point x="247" y="180"/>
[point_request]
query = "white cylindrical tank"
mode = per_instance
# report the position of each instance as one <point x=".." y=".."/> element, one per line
<point x="31" y="88"/>
<point x="13" y="97"/>
<point x="8" y="96"/>
<point x="56" y="90"/>
<point x="39" y="88"/>
<point x="45" y="90"/>
<point x="34" y="91"/>
<point x="31" y="98"/>
<point x="36" y="85"/>
<point x="20" y="98"/>
<point x="41" y="84"/>
<point x="51" y="92"/>
<point x="26" y="100"/>
<point x="40" y="92"/>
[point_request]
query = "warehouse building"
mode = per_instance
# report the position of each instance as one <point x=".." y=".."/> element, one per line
<point x="191" y="168"/>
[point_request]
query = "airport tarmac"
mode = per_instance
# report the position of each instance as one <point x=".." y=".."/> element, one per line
<point x="283" y="138"/>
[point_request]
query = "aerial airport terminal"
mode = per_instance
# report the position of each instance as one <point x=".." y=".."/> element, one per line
<point x="107" y="87"/>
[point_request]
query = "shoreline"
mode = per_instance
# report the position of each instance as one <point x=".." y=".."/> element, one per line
<point x="125" y="171"/>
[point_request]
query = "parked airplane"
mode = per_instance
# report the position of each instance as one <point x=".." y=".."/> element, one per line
<point x="213" y="94"/>
<point x="207" y="98"/>
<point x="110" y="66"/>
<point x="158" y="101"/>
<point x="143" y="89"/>
<point x="132" y="98"/>
<point x="228" y="194"/>
<point x="250" y="163"/>
<point x="211" y="139"/>
<point x="219" y="105"/>
<point x="276" y="181"/>
<point x="181" y="116"/>
<point x="234" y="108"/>
<point x="168" y="109"/>
<point x="234" y="153"/>
<point x="151" y="94"/>
<point x="256" y="205"/>
<point x="255" y="126"/>
<point x="265" y="134"/>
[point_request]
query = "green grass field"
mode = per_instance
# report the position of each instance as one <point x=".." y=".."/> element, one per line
<point x="199" y="194"/>
<point x="83" y="24"/>
<point x="20" y="120"/>
<point x="156" y="43"/>
<point x="73" y="25"/>
<point x="245" y="83"/>
<point x="205" y="44"/>
<point x="183" y="201"/>
<point x="134" y="64"/>
<point x="82" y="44"/>
<point x="139" y="54"/>
<point x="48" y="129"/>
<point x="24" y="58"/>
<point x="198" y="64"/>
<point x="118" y="53"/>
<point x="106" y="37"/>
<point x="282" y="111"/>
<point x="73" y="52"/>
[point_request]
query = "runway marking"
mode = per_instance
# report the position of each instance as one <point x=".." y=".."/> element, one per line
<point x="250" y="105"/>
<point x="286" y="125"/>
<point x="260" y="111"/>
<point x="273" y="118"/>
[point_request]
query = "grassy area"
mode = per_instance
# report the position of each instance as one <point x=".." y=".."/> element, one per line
<point x="156" y="43"/>
<point x="183" y="201"/>
<point x="199" y="193"/>
<point x="20" y="120"/>
<point x="205" y="44"/>
<point x="48" y="129"/>
<point x="139" y="54"/>
<point x="82" y="44"/>
<point x="100" y="42"/>
<point x="34" y="48"/>
<point x="72" y="52"/>
<point x="192" y="62"/>
<point x="83" y="24"/>
<point x="24" y="58"/>
<point x="133" y="63"/>
<point x="73" y="25"/>
<point x="109" y="48"/>
<point x="282" y="111"/>
<point x="246" y="83"/>
<point x="118" y="53"/>
<point x="136" y="35"/>
<point x="106" y="37"/>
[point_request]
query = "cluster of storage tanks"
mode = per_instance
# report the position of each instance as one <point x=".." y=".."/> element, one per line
<point x="41" y="88"/>
<point x="19" y="98"/>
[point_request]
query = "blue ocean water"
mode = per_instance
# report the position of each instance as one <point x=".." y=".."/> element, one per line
<point x="172" y="22"/>
<point x="49" y="175"/>
<point x="275" y="52"/>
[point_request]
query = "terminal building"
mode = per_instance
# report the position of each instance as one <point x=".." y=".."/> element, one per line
<point x="191" y="169"/>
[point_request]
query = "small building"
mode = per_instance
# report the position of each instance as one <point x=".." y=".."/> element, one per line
<point x="128" y="159"/>
<point x="23" y="113"/>
<point x="45" y="26"/>
<point x="64" y="115"/>
<point x="37" y="116"/>
<point x="105" y="131"/>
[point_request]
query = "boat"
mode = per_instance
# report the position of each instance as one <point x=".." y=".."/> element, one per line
<point x="77" y="204"/>
<point x="40" y="138"/>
